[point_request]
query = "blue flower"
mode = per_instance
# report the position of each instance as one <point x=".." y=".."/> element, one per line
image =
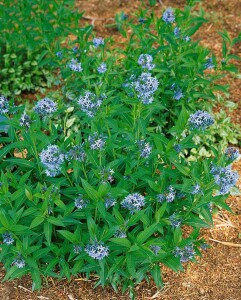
<point x="196" y="189"/>
<point x="145" y="60"/>
<point x="90" y="103"/>
<point x="168" y="16"/>
<point x="98" y="42"/>
<point x="175" y="221"/>
<point x="176" y="32"/>
<point x="76" y="153"/>
<point x="52" y="159"/>
<point x="59" y="54"/>
<point x="178" y="148"/>
<point x="209" y="63"/>
<point x="109" y="202"/>
<point x="178" y="94"/>
<point x="120" y="234"/>
<point x="75" y="66"/>
<point x="185" y="254"/>
<point x="96" y="141"/>
<point x="77" y="249"/>
<point x="170" y="196"/>
<point x="155" y="249"/>
<point x="102" y="68"/>
<point x="19" y="263"/>
<point x="124" y="16"/>
<point x="25" y="120"/>
<point x="45" y="107"/>
<point x="232" y="153"/>
<point x="7" y="238"/>
<point x="186" y="38"/>
<point x="144" y="148"/>
<point x="200" y="120"/>
<point x="133" y="202"/>
<point x="161" y="198"/>
<point x="80" y="203"/>
<point x="145" y="86"/>
<point x="141" y="20"/>
<point x="225" y="178"/>
<point x="97" y="250"/>
<point x="4" y="105"/>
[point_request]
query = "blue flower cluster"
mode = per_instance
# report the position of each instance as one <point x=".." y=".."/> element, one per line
<point x="168" y="16"/>
<point x="145" y="61"/>
<point x="76" y="153"/>
<point x="120" y="234"/>
<point x="25" y="120"/>
<point x="178" y="94"/>
<point x="45" y="107"/>
<point x="169" y="196"/>
<point x="178" y="148"/>
<point x="98" y="42"/>
<point x="96" y="141"/>
<point x="176" y="32"/>
<point x="133" y="202"/>
<point x="90" y="103"/>
<point x="145" y="86"/>
<point x="155" y="249"/>
<point x="77" y="249"/>
<point x="225" y="178"/>
<point x="175" y="221"/>
<point x="232" y="153"/>
<point x="4" y="105"/>
<point x="109" y="202"/>
<point x="80" y="203"/>
<point x="144" y="148"/>
<point x="102" y="68"/>
<point x="200" y="120"/>
<point x="7" y="238"/>
<point x="97" y="250"/>
<point x="196" y="189"/>
<point x="185" y="254"/>
<point x="209" y="63"/>
<point x="106" y="175"/>
<point x="52" y="159"/>
<point x="75" y="66"/>
<point x="19" y="263"/>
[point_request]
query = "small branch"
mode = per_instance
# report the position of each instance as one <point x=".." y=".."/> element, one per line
<point x="226" y="243"/>
<point x="42" y="297"/>
<point x="22" y="287"/>
<point x="160" y="1"/>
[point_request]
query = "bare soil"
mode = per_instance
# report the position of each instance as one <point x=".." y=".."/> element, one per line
<point x="217" y="275"/>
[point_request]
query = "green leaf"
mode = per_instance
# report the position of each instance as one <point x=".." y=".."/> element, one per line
<point x="37" y="282"/>
<point x="131" y="264"/>
<point x="160" y="212"/>
<point x="91" y="192"/>
<point x="22" y="163"/>
<point x="68" y="235"/>
<point x="55" y="221"/>
<point x="37" y="221"/>
<point x="156" y="274"/>
<point x="122" y="242"/>
<point x="48" y="232"/>
<point x="145" y="234"/>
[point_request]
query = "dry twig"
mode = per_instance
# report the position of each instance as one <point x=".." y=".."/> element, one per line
<point x="226" y="243"/>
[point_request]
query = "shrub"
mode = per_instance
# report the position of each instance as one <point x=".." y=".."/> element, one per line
<point x="98" y="182"/>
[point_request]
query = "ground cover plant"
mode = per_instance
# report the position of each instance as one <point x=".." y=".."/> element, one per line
<point x="31" y="33"/>
<point x="101" y="183"/>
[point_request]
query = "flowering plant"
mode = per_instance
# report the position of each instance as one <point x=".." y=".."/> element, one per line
<point x="97" y="181"/>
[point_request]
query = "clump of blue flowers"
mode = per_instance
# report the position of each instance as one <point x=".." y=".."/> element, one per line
<point x="75" y="66"/>
<point x="52" y="159"/>
<point x="102" y="68"/>
<point x="80" y="203"/>
<point x="98" y="42"/>
<point x="7" y="238"/>
<point x="25" y="120"/>
<point x="133" y="202"/>
<point x="4" y="105"/>
<point x="185" y="254"/>
<point x="232" y="153"/>
<point x="225" y="177"/>
<point x="97" y="141"/>
<point x="90" y="103"/>
<point x="145" y="61"/>
<point x="209" y="63"/>
<point x="200" y="120"/>
<point x="76" y="153"/>
<point x="45" y="107"/>
<point x="97" y="250"/>
<point x="168" y="16"/>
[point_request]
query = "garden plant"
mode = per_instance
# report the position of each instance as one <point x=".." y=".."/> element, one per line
<point x="105" y="175"/>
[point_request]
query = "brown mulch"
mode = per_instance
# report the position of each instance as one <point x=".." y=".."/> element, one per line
<point x="217" y="275"/>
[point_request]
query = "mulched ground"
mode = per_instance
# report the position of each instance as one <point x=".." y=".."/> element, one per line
<point x="217" y="275"/>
